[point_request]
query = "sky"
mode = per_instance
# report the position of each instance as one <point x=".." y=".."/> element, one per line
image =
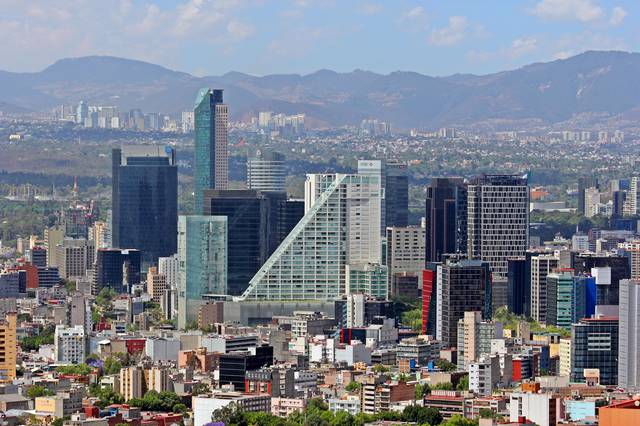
<point x="259" y="37"/>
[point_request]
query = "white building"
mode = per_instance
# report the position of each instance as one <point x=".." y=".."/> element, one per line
<point x="352" y="353"/>
<point x="168" y="266"/>
<point x="484" y="375"/>
<point x="204" y="406"/>
<point x="337" y="243"/>
<point x="162" y="349"/>
<point x="350" y="404"/>
<point x="629" y="336"/>
<point x="70" y="344"/>
<point x="534" y="406"/>
<point x="541" y="266"/>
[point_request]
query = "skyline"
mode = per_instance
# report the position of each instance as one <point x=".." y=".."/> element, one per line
<point x="265" y="37"/>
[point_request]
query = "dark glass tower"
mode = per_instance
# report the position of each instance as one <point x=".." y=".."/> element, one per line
<point x="594" y="344"/>
<point x="519" y="285"/>
<point x="441" y="217"/>
<point x="116" y="269"/>
<point x="396" y="194"/>
<point x="145" y="201"/>
<point x="211" y="168"/>
<point x="257" y="222"/>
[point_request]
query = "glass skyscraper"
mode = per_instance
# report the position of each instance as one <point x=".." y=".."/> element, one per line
<point x="335" y="246"/>
<point x="202" y="263"/>
<point x="116" y="269"/>
<point x="145" y="201"/>
<point x="267" y="172"/>
<point x="257" y="221"/>
<point x="211" y="121"/>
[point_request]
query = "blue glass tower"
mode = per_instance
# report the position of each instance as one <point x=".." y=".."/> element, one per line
<point x="211" y="140"/>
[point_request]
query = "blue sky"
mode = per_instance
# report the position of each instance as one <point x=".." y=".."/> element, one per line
<point x="211" y="37"/>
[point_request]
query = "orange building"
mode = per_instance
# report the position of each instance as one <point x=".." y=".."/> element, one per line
<point x="199" y="359"/>
<point x="621" y="413"/>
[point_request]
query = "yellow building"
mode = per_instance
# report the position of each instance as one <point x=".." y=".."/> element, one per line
<point x="8" y="344"/>
<point x="565" y="357"/>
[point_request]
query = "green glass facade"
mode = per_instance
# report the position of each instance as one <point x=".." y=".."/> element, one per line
<point x="202" y="262"/>
<point x="210" y="150"/>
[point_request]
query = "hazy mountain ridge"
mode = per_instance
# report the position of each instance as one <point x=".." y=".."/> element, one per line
<point x="553" y="91"/>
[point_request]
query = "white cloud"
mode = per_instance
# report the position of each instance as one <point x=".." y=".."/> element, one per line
<point x="450" y="35"/>
<point x="413" y="20"/>
<point x="523" y="45"/>
<point x="240" y="30"/>
<point x="617" y="16"/>
<point x="568" y="10"/>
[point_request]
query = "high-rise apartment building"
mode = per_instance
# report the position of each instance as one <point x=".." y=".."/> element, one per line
<point x="70" y="344"/>
<point x="74" y="257"/>
<point x="629" y="337"/>
<point x="441" y="215"/>
<point x="168" y="266"/>
<point x="541" y="266"/>
<point x="594" y="345"/>
<point x="630" y="207"/>
<point x="202" y="263"/>
<point x="338" y="237"/>
<point x="53" y="237"/>
<point x="585" y="183"/>
<point x="498" y="220"/>
<point x="395" y="190"/>
<point x="8" y="347"/>
<point x="463" y="285"/>
<point x="145" y="200"/>
<point x="257" y="222"/>
<point x="267" y="171"/>
<point x="405" y="253"/>
<point x="211" y="121"/>
<point x="474" y="337"/>
<point x="116" y="269"/>
<point x="632" y="250"/>
<point x="156" y="284"/>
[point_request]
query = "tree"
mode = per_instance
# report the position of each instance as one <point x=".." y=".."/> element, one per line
<point x="36" y="391"/>
<point x="486" y="413"/>
<point x="379" y="368"/>
<point x="353" y="386"/>
<point x="445" y="365"/>
<point x="458" y="420"/>
<point x="421" y="415"/>
<point x="111" y="365"/>
<point x="229" y="415"/>
<point x="463" y="384"/>
<point x="442" y="386"/>
<point x="421" y="390"/>
<point x="200" y="388"/>
<point x="79" y="369"/>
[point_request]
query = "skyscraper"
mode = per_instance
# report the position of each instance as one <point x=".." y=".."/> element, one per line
<point x="202" y="263"/>
<point x="8" y="347"/>
<point x="498" y="220"/>
<point x="607" y="284"/>
<point x="541" y="266"/>
<point x="267" y="171"/>
<point x="257" y="222"/>
<point x="585" y="183"/>
<point x="463" y="285"/>
<point x="211" y="168"/>
<point x="116" y="269"/>
<point x="395" y="190"/>
<point x="337" y="240"/>
<point x="519" y="286"/>
<point x="441" y="217"/>
<point x="396" y="194"/>
<point x="145" y="200"/>
<point x="594" y="345"/>
<point x="629" y="344"/>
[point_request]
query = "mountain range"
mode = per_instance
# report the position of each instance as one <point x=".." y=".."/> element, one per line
<point x="591" y="84"/>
